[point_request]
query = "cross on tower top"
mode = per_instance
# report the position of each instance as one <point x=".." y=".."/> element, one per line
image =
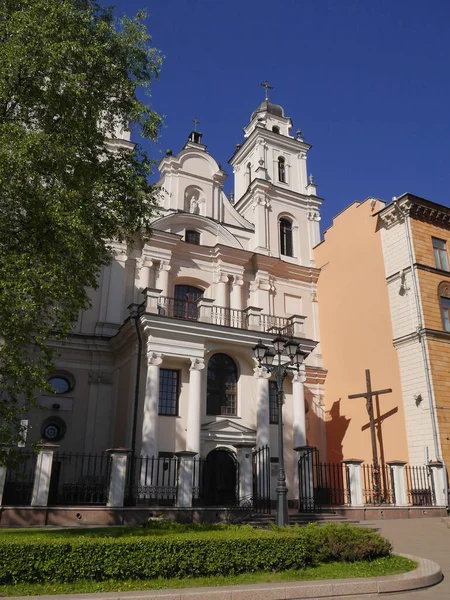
<point x="268" y="87"/>
<point x="196" y="122"/>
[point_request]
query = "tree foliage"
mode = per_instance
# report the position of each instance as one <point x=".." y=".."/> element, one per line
<point x="70" y="76"/>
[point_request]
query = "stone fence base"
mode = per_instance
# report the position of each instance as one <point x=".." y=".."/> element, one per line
<point x="371" y="513"/>
<point x="88" y="516"/>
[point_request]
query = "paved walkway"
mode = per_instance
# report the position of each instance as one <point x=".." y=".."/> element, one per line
<point x="429" y="538"/>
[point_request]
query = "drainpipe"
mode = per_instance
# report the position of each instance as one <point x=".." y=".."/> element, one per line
<point x="420" y="331"/>
<point x="135" y="315"/>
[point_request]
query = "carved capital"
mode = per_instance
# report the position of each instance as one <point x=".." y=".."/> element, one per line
<point x="154" y="358"/>
<point x="298" y="376"/>
<point x="220" y="277"/>
<point x="164" y="266"/>
<point x="197" y="364"/>
<point x="237" y="280"/>
<point x="261" y="373"/>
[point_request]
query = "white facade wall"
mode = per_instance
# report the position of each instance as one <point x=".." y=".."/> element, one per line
<point x="237" y="265"/>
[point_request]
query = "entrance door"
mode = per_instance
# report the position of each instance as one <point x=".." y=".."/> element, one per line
<point x="220" y="478"/>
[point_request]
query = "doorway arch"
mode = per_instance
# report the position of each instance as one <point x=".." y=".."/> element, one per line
<point x="220" y="478"/>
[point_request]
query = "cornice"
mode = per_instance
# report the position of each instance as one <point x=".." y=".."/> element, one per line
<point x="416" y="208"/>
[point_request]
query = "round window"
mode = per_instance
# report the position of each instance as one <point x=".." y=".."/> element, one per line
<point x="53" y="429"/>
<point x="59" y="385"/>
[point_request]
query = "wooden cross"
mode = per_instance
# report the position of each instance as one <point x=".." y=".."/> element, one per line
<point x="369" y="395"/>
<point x="268" y="87"/>
<point x="196" y="122"/>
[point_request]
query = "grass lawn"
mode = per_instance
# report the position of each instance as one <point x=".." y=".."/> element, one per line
<point x="381" y="566"/>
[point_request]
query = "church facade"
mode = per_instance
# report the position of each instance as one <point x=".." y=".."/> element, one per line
<point x="162" y="362"/>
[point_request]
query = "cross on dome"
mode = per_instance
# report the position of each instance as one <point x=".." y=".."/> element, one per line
<point x="268" y="87"/>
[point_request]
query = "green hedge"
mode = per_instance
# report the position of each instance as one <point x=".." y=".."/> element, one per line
<point x="184" y="555"/>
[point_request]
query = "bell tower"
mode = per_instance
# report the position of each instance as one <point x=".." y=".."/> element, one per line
<point x="272" y="188"/>
<point x="270" y="152"/>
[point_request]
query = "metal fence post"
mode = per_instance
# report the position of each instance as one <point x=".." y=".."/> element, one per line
<point x="3" y="469"/>
<point x="397" y="468"/>
<point x="185" y="480"/>
<point x="42" y="474"/>
<point x="353" y="466"/>
<point x="438" y="474"/>
<point x="244" y="458"/>
<point x="117" y="477"/>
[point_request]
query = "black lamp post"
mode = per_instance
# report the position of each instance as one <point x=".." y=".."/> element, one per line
<point x="265" y="357"/>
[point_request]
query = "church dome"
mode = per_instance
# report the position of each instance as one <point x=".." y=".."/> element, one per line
<point x="265" y="106"/>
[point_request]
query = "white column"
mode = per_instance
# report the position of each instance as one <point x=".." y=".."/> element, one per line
<point x="149" y="442"/>
<point x="42" y="475"/>
<point x="236" y="292"/>
<point x="162" y="280"/>
<point x="116" y="291"/>
<point x="397" y="469"/>
<point x="439" y="483"/>
<point x="194" y="406"/>
<point x="221" y="281"/>
<point x="262" y="406"/>
<point x="353" y="467"/>
<point x="298" y="405"/>
<point x="185" y="479"/>
<point x="142" y="278"/>
<point x="244" y="458"/>
<point x="118" y="477"/>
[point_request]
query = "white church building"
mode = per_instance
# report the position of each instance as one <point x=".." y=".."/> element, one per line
<point x="162" y="362"/>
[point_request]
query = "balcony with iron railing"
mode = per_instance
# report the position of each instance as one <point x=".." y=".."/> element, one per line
<point x="204" y="310"/>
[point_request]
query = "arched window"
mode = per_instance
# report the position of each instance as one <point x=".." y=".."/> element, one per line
<point x="444" y="300"/>
<point x="192" y="237"/>
<point x="221" y="396"/>
<point x="275" y="129"/>
<point x="184" y="303"/>
<point x="249" y="173"/>
<point x="281" y="169"/>
<point x="286" y="247"/>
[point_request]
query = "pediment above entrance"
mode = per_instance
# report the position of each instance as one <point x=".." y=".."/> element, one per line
<point x="227" y="431"/>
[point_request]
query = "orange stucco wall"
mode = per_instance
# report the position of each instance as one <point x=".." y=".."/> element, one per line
<point x="356" y="334"/>
<point x="438" y="345"/>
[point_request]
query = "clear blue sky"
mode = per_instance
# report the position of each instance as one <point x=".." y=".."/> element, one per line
<point x="367" y="82"/>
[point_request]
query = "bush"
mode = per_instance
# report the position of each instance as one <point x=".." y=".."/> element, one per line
<point x="192" y="554"/>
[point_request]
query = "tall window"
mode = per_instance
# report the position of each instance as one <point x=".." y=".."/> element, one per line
<point x="286" y="237"/>
<point x="444" y="300"/>
<point x="185" y="306"/>
<point x="221" y="396"/>
<point x="273" y="405"/>
<point x="192" y="237"/>
<point x="281" y="169"/>
<point x="440" y="254"/>
<point x="169" y="391"/>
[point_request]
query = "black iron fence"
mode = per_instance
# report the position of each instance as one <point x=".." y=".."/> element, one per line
<point x="19" y="478"/>
<point x="198" y="474"/>
<point x="321" y="484"/>
<point x="419" y="486"/>
<point x="79" y="479"/>
<point x="261" y="480"/>
<point x="378" y="485"/>
<point x="152" y="481"/>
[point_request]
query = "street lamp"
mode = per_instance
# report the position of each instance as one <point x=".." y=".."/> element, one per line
<point x="265" y="356"/>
